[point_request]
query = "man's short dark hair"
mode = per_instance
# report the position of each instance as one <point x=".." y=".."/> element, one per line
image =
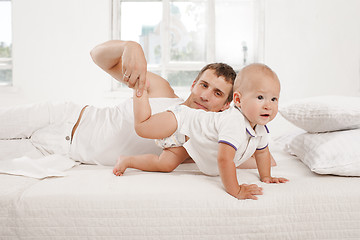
<point x="221" y="70"/>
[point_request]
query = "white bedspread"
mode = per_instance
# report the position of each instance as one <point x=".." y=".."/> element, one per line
<point x="47" y="166"/>
<point x="91" y="202"/>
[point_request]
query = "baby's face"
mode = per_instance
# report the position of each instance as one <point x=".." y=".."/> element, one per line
<point x="259" y="102"/>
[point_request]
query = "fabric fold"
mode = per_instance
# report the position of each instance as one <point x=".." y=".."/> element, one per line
<point x="48" y="166"/>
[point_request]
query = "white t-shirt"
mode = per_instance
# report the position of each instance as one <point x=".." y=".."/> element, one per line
<point x="106" y="133"/>
<point x="206" y="129"/>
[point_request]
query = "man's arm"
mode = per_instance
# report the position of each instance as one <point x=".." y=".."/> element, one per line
<point x="228" y="176"/>
<point x="119" y="58"/>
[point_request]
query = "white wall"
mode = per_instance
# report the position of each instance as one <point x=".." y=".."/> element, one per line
<point x="51" y="45"/>
<point x="313" y="45"/>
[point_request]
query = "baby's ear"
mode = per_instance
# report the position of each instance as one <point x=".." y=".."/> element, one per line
<point x="236" y="97"/>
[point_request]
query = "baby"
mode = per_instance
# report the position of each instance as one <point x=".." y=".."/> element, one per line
<point x="217" y="142"/>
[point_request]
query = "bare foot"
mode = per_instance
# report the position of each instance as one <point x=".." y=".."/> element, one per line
<point x="121" y="165"/>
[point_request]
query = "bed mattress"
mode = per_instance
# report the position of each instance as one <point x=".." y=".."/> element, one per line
<point x="90" y="202"/>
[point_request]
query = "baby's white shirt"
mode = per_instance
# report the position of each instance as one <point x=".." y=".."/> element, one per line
<point x="206" y="129"/>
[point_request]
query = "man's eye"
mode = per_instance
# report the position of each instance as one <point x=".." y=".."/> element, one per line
<point x="218" y="94"/>
<point x="260" y="97"/>
<point x="204" y="85"/>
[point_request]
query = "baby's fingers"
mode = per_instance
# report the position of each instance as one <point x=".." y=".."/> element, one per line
<point x="249" y="196"/>
<point x="275" y="180"/>
<point x="279" y="180"/>
<point x="283" y="180"/>
<point x="256" y="192"/>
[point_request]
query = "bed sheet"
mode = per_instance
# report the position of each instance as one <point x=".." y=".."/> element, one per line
<point x="93" y="203"/>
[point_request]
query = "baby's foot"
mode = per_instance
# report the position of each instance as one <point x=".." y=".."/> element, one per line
<point x="120" y="166"/>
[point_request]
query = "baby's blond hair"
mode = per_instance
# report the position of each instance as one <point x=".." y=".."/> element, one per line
<point x="243" y="77"/>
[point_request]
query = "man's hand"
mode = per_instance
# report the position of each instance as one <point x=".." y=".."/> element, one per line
<point x="249" y="191"/>
<point x="274" y="180"/>
<point x="125" y="61"/>
<point x="134" y="66"/>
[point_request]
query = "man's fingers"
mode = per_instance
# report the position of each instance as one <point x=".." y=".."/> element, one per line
<point x="126" y="74"/>
<point x="133" y="79"/>
<point x="142" y="81"/>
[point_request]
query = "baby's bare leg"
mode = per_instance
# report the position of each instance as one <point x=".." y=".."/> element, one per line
<point x="168" y="160"/>
<point x="121" y="165"/>
<point x="125" y="162"/>
<point x="251" y="163"/>
<point x="171" y="158"/>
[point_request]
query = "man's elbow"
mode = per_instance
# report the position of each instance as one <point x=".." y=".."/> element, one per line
<point x="94" y="53"/>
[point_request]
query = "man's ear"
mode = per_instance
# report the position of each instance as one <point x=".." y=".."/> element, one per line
<point x="193" y="84"/>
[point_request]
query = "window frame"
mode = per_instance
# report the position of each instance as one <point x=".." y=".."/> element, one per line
<point x="166" y="65"/>
<point x="6" y="63"/>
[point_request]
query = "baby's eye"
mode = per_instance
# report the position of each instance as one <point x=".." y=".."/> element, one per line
<point x="274" y="99"/>
<point x="260" y="97"/>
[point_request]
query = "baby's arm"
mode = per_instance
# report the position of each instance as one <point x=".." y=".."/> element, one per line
<point x="263" y="162"/>
<point x="227" y="170"/>
<point x="155" y="126"/>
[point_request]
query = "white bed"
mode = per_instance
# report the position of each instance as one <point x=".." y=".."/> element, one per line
<point x="90" y="202"/>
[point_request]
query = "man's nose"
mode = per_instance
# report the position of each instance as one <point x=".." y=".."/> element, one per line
<point x="205" y="95"/>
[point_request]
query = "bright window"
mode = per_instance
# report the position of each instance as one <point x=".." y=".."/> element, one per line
<point x="180" y="37"/>
<point x="5" y="43"/>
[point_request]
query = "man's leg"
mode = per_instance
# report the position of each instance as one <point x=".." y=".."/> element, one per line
<point x="47" y="126"/>
<point x="21" y="121"/>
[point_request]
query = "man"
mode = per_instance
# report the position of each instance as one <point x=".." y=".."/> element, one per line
<point x="125" y="61"/>
<point x="99" y="135"/>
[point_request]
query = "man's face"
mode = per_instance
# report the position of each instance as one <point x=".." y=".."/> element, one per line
<point x="210" y="92"/>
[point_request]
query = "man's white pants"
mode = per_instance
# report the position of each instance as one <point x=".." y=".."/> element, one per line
<point x="48" y="126"/>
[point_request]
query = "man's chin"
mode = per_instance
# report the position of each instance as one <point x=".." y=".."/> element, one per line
<point x="199" y="106"/>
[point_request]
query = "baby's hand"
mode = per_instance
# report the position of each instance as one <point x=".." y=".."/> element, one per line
<point x="274" y="180"/>
<point x="249" y="191"/>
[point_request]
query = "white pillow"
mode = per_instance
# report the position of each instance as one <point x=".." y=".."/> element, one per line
<point x="335" y="153"/>
<point x="323" y="114"/>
